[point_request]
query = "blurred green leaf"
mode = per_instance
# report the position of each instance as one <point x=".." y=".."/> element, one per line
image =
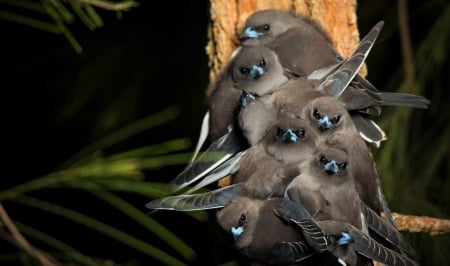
<point x="99" y="227"/>
<point x="67" y="250"/>
<point x="61" y="15"/>
<point x="126" y="168"/>
<point x="146" y="221"/>
<point x="124" y="133"/>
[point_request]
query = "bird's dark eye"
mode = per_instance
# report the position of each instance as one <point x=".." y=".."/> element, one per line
<point x="316" y="114"/>
<point x="262" y="63"/>
<point x="336" y="119"/>
<point x="242" y="219"/>
<point x="244" y="70"/>
<point x="323" y="160"/>
<point x="300" y="133"/>
<point x="266" y="27"/>
<point x="279" y="132"/>
<point x="342" y="166"/>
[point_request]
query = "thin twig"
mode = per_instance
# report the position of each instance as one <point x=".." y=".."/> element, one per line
<point x="15" y="237"/>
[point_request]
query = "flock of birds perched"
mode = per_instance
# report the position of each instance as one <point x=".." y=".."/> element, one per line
<point x="289" y="123"/>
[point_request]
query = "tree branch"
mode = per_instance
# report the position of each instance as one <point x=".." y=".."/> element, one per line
<point x="418" y="224"/>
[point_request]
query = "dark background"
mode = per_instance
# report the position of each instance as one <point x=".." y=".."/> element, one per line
<point x="55" y="102"/>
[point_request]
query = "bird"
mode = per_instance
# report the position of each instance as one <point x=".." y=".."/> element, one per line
<point x="347" y="242"/>
<point x="256" y="232"/>
<point x="326" y="185"/>
<point x="272" y="162"/>
<point x="300" y="43"/>
<point x="255" y="69"/>
<point x="303" y="46"/>
<point x="281" y="231"/>
<point x="327" y="116"/>
<point x="265" y="166"/>
<point x="338" y="178"/>
<point x="367" y="180"/>
<point x="251" y="222"/>
<point x="262" y="169"/>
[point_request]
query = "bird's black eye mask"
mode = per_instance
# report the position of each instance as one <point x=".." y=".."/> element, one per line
<point x="332" y="166"/>
<point x="325" y="122"/>
<point x="288" y="135"/>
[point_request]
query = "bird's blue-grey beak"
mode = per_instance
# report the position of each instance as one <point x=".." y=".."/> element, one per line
<point x="332" y="167"/>
<point x="289" y="136"/>
<point x="249" y="33"/>
<point x="237" y="231"/>
<point x="324" y="123"/>
<point x="246" y="98"/>
<point x="256" y="71"/>
<point x="345" y="239"/>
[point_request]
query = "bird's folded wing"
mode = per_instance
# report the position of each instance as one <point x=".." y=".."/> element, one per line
<point x="336" y="83"/>
<point x="217" y="153"/>
<point x="208" y="200"/>
<point x="385" y="230"/>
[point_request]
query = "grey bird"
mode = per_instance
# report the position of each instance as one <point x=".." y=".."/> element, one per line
<point x="327" y="116"/>
<point x="326" y="184"/>
<point x="345" y="241"/>
<point x="257" y="234"/>
<point x="273" y="161"/>
<point x="334" y="184"/>
<point x="262" y="171"/>
<point x="303" y="46"/>
<point x="367" y="181"/>
<point x="268" y="165"/>
<point x="255" y="69"/>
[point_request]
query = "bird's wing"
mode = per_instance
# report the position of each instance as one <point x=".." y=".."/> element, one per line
<point x="385" y="230"/>
<point x="208" y="200"/>
<point x="217" y="153"/>
<point x="335" y="84"/>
